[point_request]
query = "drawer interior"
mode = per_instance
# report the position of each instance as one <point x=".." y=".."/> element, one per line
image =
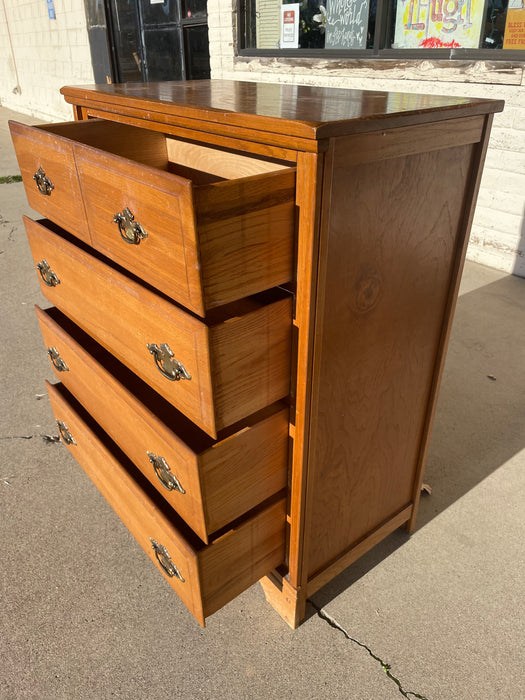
<point x="201" y="164"/>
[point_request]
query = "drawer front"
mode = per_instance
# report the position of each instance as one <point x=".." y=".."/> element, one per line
<point x="204" y="246"/>
<point x="203" y="226"/>
<point x="204" y="576"/>
<point x="143" y="220"/>
<point x="55" y="192"/>
<point x="208" y="483"/>
<point x="230" y="370"/>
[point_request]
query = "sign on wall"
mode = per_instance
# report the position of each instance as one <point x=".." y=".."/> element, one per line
<point x="51" y="9"/>
<point x="346" y="24"/>
<point x="437" y="24"/>
<point x="515" y="26"/>
<point x="290" y="26"/>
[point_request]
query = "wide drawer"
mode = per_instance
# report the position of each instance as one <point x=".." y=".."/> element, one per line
<point x="208" y="483"/>
<point x="206" y="227"/>
<point x="205" y="577"/>
<point x="222" y="370"/>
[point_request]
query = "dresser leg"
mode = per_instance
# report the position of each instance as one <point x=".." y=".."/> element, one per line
<point x="288" y="601"/>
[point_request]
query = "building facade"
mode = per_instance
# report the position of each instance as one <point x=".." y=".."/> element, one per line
<point x="452" y="47"/>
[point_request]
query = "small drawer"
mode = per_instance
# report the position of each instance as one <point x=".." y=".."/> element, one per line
<point x="205" y="227"/>
<point x="208" y="483"/>
<point x="49" y="173"/>
<point x="205" y="577"/>
<point x="216" y="372"/>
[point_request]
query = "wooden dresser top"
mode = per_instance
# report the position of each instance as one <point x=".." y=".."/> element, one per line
<point x="290" y="110"/>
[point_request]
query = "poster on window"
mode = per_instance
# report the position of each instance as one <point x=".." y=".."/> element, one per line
<point x="290" y="26"/>
<point x="438" y="24"/>
<point x="515" y="25"/>
<point x="346" y="24"/>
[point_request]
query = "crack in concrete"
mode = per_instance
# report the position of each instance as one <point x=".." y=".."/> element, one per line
<point x="17" y="437"/>
<point x="45" y="438"/>
<point x="385" y="666"/>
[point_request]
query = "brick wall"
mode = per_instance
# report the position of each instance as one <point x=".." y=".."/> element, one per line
<point x="39" y="55"/>
<point x="498" y="231"/>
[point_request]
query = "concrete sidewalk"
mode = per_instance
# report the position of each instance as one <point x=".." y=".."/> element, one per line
<point x="84" y="614"/>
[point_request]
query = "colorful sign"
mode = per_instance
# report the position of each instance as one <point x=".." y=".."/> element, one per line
<point x="515" y="29"/>
<point x="438" y="24"/>
<point x="290" y="26"/>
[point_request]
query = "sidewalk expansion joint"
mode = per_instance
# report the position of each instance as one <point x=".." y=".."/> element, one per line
<point x="385" y="666"/>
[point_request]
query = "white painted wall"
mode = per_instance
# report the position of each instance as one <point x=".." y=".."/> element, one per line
<point x="39" y="55"/>
<point x="498" y="231"/>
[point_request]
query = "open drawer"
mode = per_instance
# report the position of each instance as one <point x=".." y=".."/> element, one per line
<point x="209" y="483"/>
<point x="205" y="577"/>
<point x="216" y="372"/>
<point x="204" y="226"/>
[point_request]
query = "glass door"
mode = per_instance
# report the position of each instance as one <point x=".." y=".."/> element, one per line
<point x="158" y="40"/>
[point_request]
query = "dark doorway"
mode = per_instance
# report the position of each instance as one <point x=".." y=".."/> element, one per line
<point x="156" y="40"/>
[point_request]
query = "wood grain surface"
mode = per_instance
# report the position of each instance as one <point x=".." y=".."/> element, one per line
<point x="297" y="113"/>
<point x="391" y="239"/>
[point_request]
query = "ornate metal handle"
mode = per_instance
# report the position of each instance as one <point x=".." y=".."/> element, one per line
<point x="47" y="274"/>
<point x="164" y="559"/>
<point x="57" y="361"/>
<point x="164" y="474"/>
<point x="167" y="365"/>
<point x="66" y="436"/>
<point x="44" y="184"/>
<point x="130" y="230"/>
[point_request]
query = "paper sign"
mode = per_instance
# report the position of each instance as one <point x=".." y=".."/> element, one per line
<point x="290" y="26"/>
<point x="51" y="9"/>
<point x="156" y="2"/>
<point x="438" y="24"/>
<point x="514" y="37"/>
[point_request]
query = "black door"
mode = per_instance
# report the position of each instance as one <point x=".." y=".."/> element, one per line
<point x="155" y="40"/>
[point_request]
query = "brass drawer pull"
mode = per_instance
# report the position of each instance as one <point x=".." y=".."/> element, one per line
<point x="66" y="436"/>
<point x="57" y="361"/>
<point x="44" y="184"/>
<point x="46" y="273"/>
<point x="164" y="474"/>
<point x="167" y="365"/>
<point x="164" y="559"/>
<point x="130" y="230"/>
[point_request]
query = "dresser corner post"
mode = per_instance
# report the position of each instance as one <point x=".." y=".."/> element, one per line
<point x="79" y="113"/>
<point x="289" y="602"/>
<point x="310" y="174"/>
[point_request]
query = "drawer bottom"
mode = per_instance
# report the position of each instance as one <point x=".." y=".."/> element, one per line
<point x="205" y="577"/>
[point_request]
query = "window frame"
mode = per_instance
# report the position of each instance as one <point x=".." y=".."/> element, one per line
<point x="377" y="51"/>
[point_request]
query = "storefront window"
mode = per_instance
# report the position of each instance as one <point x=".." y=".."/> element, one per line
<point x="376" y="26"/>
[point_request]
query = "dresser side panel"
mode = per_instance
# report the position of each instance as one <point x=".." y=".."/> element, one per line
<point x="391" y="240"/>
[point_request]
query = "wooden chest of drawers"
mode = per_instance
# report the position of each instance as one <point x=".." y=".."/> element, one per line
<point x="253" y="288"/>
